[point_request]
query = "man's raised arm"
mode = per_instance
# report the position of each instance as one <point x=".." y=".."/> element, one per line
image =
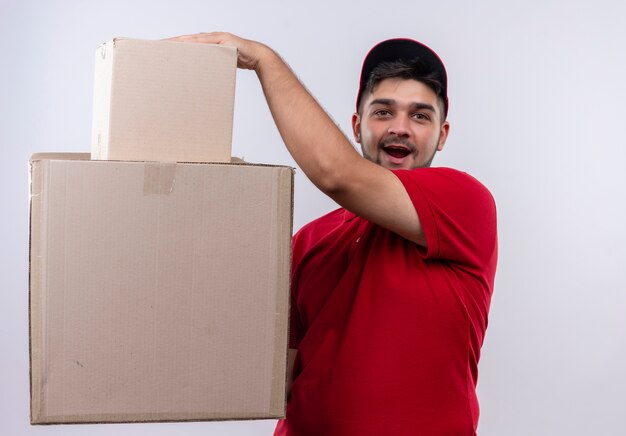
<point x="318" y="146"/>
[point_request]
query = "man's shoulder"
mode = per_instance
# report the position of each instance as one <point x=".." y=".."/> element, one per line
<point x="443" y="178"/>
<point x="446" y="172"/>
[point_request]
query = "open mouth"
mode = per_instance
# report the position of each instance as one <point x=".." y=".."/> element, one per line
<point x="396" y="151"/>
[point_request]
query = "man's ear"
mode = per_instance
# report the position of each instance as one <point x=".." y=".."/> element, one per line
<point x="356" y="127"/>
<point x="443" y="135"/>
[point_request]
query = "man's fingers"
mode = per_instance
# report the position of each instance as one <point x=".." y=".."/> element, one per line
<point x="211" y="38"/>
<point x="248" y="51"/>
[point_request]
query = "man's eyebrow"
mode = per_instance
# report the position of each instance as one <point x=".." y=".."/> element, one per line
<point x="422" y="106"/>
<point x="383" y="101"/>
<point x="413" y="106"/>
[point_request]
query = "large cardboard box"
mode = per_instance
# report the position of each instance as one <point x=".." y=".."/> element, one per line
<point x="158" y="291"/>
<point x="163" y="101"/>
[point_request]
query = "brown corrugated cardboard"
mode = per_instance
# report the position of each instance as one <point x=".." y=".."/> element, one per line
<point x="158" y="291"/>
<point x="163" y="101"/>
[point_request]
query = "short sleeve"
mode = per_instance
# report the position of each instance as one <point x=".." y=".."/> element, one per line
<point x="457" y="213"/>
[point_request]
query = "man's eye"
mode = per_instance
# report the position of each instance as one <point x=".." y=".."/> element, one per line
<point x="421" y="117"/>
<point x="382" y="113"/>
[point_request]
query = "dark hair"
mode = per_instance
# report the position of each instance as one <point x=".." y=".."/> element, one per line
<point x="407" y="70"/>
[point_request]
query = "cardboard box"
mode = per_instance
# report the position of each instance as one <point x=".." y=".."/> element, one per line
<point x="158" y="291"/>
<point x="163" y="101"/>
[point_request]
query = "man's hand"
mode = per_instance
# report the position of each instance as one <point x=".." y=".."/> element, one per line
<point x="249" y="53"/>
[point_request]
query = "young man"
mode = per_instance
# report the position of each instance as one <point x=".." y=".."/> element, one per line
<point x="390" y="293"/>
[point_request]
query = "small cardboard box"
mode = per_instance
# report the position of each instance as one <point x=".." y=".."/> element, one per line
<point x="158" y="291"/>
<point x="163" y="101"/>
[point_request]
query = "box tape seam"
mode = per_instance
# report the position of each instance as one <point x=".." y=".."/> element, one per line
<point x="159" y="178"/>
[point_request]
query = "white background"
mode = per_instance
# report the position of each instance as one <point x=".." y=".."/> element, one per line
<point x="538" y="114"/>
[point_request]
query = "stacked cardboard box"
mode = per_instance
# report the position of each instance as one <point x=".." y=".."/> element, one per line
<point x="159" y="284"/>
<point x="163" y="101"/>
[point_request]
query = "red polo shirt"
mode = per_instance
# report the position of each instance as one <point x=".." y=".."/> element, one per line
<point x="389" y="333"/>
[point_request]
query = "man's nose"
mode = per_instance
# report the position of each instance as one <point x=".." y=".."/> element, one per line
<point x="399" y="126"/>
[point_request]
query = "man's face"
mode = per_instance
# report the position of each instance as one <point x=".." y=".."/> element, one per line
<point x="400" y="126"/>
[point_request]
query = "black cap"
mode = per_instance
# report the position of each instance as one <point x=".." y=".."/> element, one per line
<point x="408" y="50"/>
